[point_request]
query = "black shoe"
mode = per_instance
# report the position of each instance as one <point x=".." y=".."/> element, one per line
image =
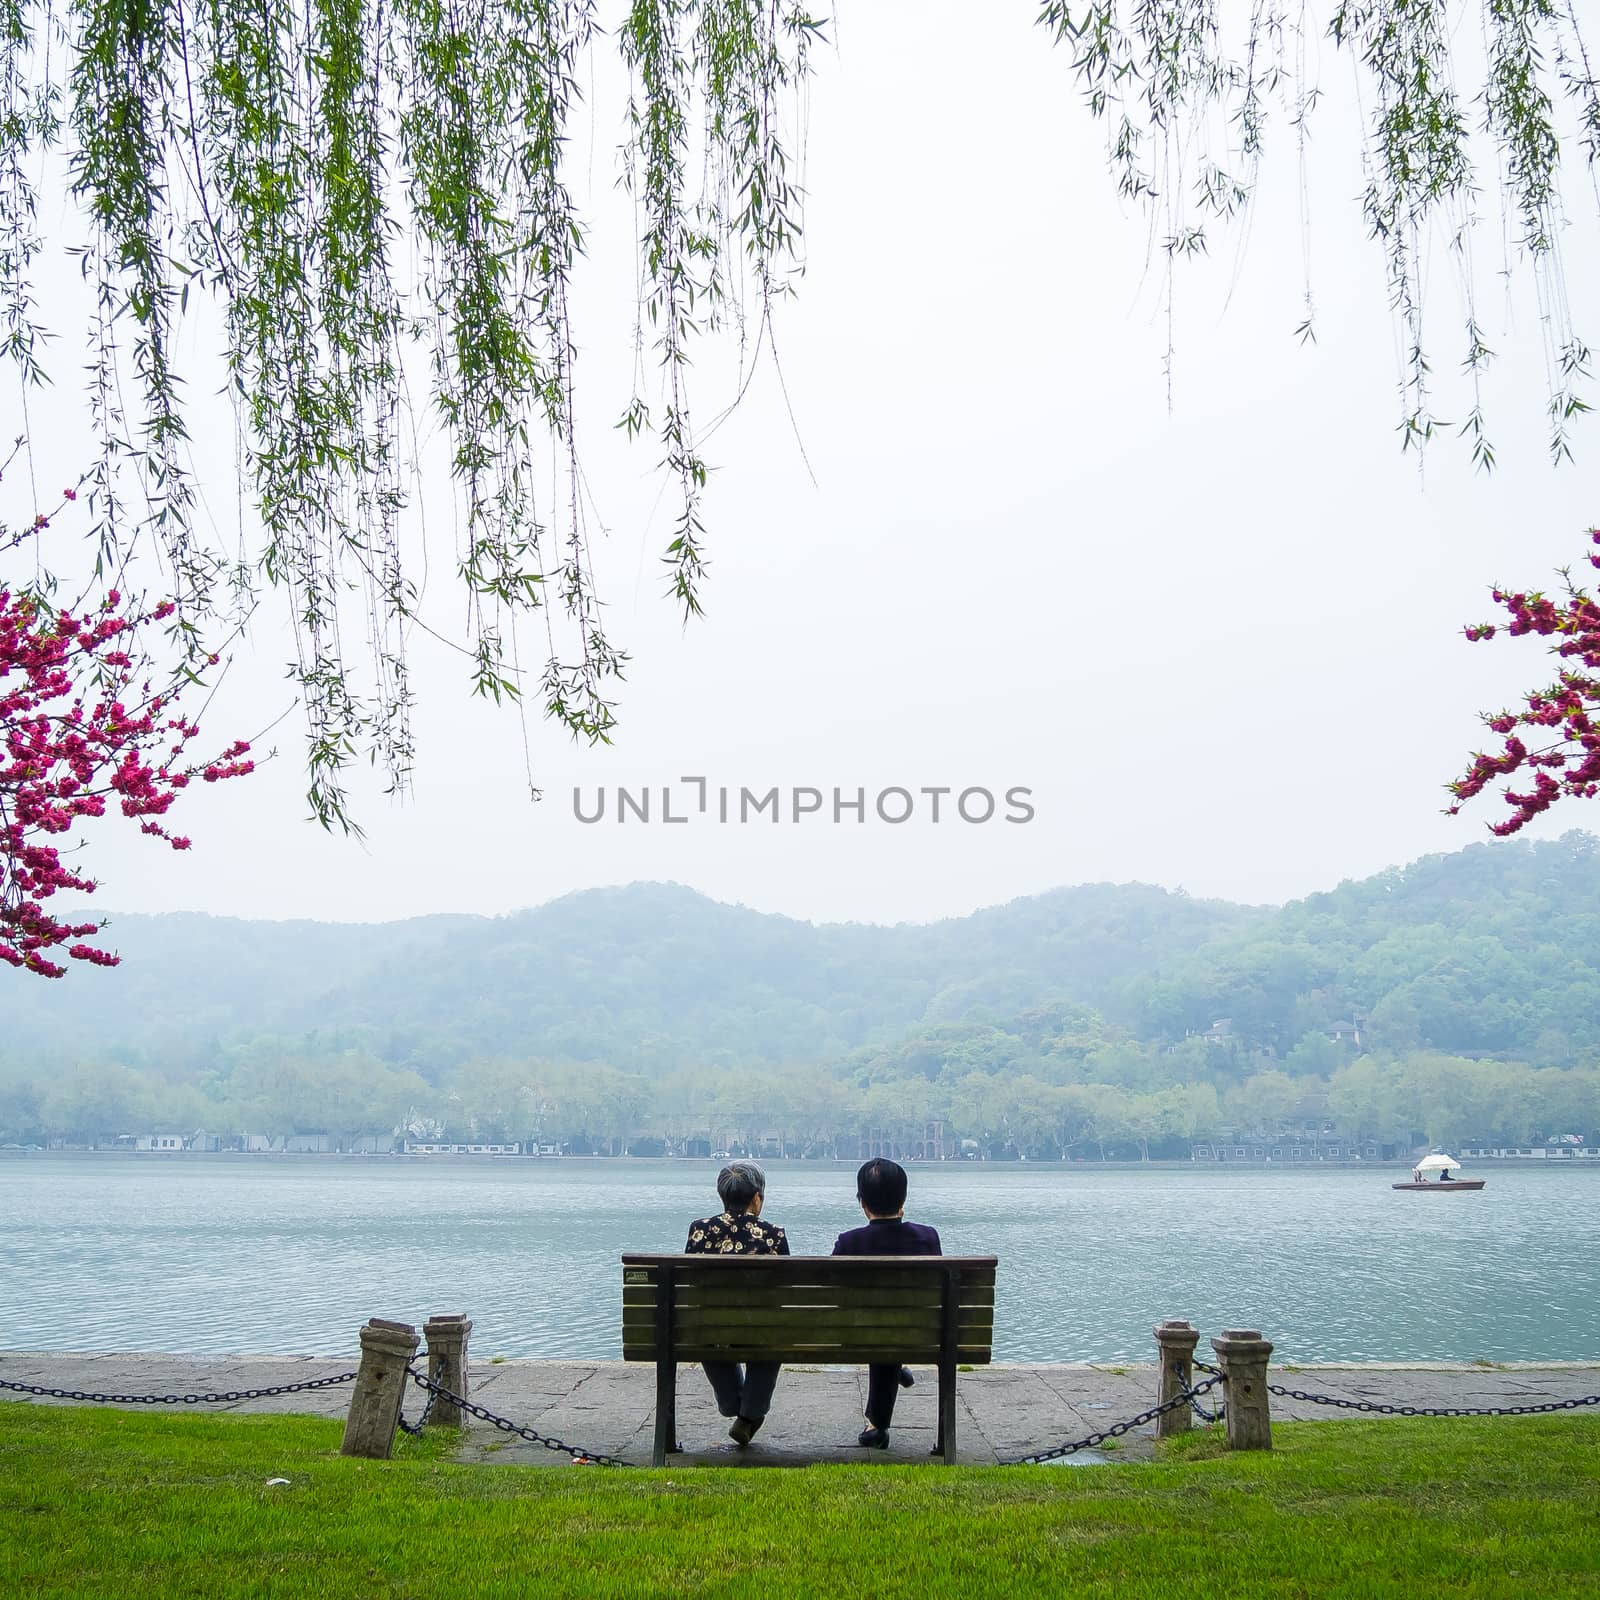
<point x="906" y="1380"/>
<point x="874" y="1438"/>
<point x="744" y="1429"/>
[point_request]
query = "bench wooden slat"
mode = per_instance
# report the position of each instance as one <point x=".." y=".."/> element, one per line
<point x="924" y="1292"/>
<point x="835" y="1323"/>
<point x="803" y="1299"/>
<point x="863" y="1348"/>
<point x="796" y="1316"/>
<point x="811" y="1270"/>
<point x="892" y="1342"/>
<point x="677" y="1258"/>
<point x="801" y="1314"/>
<point x="644" y="1315"/>
<point x="851" y="1343"/>
<point x="853" y="1355"/>
<point x="688" y="1317"/>
<point x="776" y="1316"/>
<point x="928" y="1291"/>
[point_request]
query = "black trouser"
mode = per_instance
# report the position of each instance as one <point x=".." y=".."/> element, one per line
<point x="747" y="1393"/>
<point x="883" y="1389"/>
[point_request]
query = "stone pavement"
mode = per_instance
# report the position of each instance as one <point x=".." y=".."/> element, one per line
<point x="607" y="1406"/>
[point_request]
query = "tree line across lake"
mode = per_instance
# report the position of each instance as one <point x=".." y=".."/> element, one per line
<point x="1457" y="998"/>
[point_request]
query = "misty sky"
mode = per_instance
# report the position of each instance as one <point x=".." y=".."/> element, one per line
<point x="1221" y="645"/>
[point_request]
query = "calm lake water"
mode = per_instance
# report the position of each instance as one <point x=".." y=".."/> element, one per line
<point x="212" y="1255"/>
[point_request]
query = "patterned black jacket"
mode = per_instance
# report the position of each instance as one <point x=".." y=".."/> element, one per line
<point x="736" y="1235"/>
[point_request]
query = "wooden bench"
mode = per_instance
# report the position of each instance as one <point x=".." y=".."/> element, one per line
<point x="926" y="1310"/>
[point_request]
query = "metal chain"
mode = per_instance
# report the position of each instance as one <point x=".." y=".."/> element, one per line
<point x="227" y="1398"/>
<point x="1431" y="1411"/>
<point x="506" y="1425"/>
<point x="1222" y="1406"/>
<point x="1189" y="1397"/>
<point x="1093" y="1439"/>
<point x="415" y="1429"/>
<point x="1420" y="1411"/>
<point x="1209" y="1416"/>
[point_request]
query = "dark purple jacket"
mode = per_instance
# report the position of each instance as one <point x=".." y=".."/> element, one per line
<point x="889" y="1236"/>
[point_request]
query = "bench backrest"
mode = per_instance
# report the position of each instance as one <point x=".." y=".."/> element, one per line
<point x="921" y="1309"/>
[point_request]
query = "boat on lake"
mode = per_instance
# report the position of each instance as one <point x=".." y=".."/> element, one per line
<point x="1444" y="1166"/>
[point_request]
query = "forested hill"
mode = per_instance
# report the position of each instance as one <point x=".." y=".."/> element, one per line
<point x="1493" y="949"/>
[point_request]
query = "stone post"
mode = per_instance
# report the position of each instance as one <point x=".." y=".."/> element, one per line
<point x="1176" y="1342"/>
<point x="1242" y="1354"/>
<point x="380" y="1387"/>
<point x="447" y="1364"/>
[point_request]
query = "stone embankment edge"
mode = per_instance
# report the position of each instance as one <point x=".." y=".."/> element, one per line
<point x="1107" y="1365"/>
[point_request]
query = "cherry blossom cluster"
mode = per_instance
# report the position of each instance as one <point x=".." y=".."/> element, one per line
<point x="1562" y="721"/>
<point x="82" y="729"/>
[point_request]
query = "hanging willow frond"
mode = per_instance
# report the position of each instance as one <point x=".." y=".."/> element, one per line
<point x="1185" y="114"/>
<point x="289" y="159"/>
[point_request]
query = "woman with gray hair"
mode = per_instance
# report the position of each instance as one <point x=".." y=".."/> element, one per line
<point x="739" y="1231"/>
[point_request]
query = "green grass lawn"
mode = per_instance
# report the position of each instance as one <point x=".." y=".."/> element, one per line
<point x="119" y="1504"/>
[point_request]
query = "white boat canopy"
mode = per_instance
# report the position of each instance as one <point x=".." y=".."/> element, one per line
<point x="1438" y="1164"/>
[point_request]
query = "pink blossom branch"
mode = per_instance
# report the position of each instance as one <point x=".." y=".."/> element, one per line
<point x="81" y="728"/>
<point x="1569" y="766"/>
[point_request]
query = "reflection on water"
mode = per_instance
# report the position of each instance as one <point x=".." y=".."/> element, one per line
<point x="216" y="1254"/>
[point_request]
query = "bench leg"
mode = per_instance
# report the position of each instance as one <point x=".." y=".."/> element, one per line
<point x="666" y="1412"/>
<point x="947" y="1412"/>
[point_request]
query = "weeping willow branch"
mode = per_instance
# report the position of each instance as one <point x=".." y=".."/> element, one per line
<point x="283" y="159"/>
<point x="1186" y="114"/>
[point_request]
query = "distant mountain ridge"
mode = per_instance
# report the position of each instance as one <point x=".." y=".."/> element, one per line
<point x="656" y="973"/>
<point x="1494" y="948"/>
